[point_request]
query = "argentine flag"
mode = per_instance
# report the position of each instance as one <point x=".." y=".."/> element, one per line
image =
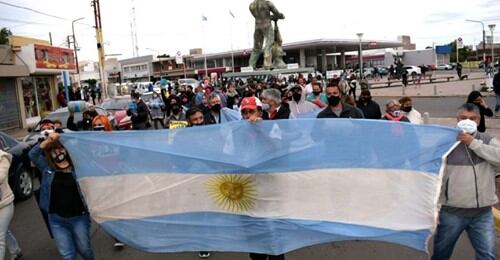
<point x="270" y="187"/>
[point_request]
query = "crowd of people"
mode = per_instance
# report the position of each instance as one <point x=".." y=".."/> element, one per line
<point x="468" y="191"/>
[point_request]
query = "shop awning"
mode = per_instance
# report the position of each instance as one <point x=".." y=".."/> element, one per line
<point x="8" y="71"/>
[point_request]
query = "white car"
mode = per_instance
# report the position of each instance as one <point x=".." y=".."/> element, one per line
<point x="444" y="67"/>
<point x="413" y="70"/>
<point x="189" y="82"/>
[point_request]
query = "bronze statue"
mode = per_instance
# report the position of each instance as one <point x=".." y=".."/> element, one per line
<point x="266" y="38"/>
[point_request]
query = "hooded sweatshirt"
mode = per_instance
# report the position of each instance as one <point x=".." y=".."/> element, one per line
<point x="301" y="107"/>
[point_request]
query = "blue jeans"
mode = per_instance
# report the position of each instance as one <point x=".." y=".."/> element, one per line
<point x="72" y="235"/>
<point x="497" y="106"/>
<point x="480" y="229"/>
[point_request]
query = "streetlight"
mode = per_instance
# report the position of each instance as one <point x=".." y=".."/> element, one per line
<point x="74" y="46"/>
<point x="492" y="28"/>
<point x="360" y="36"/>
<point x="484" y="38"/>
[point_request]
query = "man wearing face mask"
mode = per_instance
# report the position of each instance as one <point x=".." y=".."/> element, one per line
<point x="370" y="108"/>
<point x="298" y="103"/>
<point x="214" y="116"/>
<point x="273" y="110"/>
<point x="337" y="109"/>
<point x="468" y="190"/>
<point x="409" y="111"/>
<point x="138" y="112"/>
<point x="195" y="117"/>
<point x="177" y="114"/>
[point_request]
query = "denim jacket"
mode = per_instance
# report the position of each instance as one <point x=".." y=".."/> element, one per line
<point x="47" y="176"/>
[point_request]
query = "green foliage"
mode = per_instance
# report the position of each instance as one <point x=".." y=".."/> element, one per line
<point x="462" y="53"/>
<point x="4" y="33"/>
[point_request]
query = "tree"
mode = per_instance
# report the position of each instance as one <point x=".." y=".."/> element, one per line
<point x="463" y="53"/>
<point x="4" y="33"/>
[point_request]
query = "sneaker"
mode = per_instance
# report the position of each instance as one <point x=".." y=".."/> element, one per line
<point x="118" y="245"/>
<point x="204" y="254"/>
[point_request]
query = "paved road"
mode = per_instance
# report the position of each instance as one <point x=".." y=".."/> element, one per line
<point x="34" y="239"/>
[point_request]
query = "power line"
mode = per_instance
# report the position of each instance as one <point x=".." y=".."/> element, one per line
<point x="33" y="10"/>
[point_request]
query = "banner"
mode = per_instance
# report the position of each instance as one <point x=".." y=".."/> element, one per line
<point x="270" y="187"/>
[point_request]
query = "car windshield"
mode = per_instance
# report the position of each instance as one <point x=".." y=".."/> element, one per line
<point x="116" y="104"/>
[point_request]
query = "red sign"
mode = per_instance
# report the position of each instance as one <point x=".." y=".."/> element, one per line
<point x="49" y="57"/>
<point x="372" y="44"/>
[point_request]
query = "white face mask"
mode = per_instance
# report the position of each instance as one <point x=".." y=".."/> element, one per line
<point x="265" y="106"/>
<point x="467" y="126"/>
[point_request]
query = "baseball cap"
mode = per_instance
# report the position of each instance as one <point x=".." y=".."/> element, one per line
<point x="250" y="103"/>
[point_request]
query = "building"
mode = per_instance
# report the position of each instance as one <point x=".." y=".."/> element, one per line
<point x="406" y="41"/>
<point x="29" y="80"/>
<point x="137" y="69"/>
<point x="321" y="54"/>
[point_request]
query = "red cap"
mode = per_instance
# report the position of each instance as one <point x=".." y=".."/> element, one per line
<point x="250" y="103"/>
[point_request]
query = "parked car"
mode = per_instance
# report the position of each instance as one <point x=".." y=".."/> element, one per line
<point x="444" y="67"/>
<point x="62" y="115"/>
<point x="118" y="106"/>
<point x="20" y="171"/>
<point x="382" y="71"/>
<point x="413" y="70"/>
<point x="189" y="82"/>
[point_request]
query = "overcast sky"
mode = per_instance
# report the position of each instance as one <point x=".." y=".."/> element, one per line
<point x="171" y="26"/>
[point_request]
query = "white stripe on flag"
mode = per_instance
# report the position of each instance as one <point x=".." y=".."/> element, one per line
<point x="382" y="198"/>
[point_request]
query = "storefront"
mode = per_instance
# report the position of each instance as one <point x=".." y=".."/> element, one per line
<point x="39" y="90"/>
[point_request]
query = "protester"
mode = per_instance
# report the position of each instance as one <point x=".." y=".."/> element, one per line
<point x="101" y="123"/>
<point x="393" y="112"/>
<point x="156" y="109"/>
<point x="60" y="197"/>
<point x="251" y="109"/>
<point x="138" y="112"/>
<point x="346" y="99"/>
<point x="409" y="111"/>
<point x="477" y="99"/>
<point x="195" y="117"/>
<point x="85" y="124"/>
<point x="177" y="114"/>
<point x="7" y="199"/>
<point x="61" y="98"/>
<point x="459" y="70"/>
<point x="299" y="105"/>
<point x="404" y="75"/>
<point x="317" y="96"/>
<point x="468" y="190"/>
<point x="370" y="108"/>
<point x="496" y="89"/>
<point x="336" y="109"/>
<point x="214" y="115"/>
<point x="273" y="110"/>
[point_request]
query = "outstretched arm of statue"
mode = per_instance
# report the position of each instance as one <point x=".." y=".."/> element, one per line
<point x="276" y="14"/>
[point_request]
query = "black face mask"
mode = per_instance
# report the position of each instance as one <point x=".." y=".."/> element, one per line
<point x="365" y="99"/>
<point x="317" y="93"/>
<point x="333" y="101"/>
<point x="406" y="109"/>
<point x="200" y="124"/>
<point x="216" y="108"/>
<point x="98" y="128"/>
<point x="176" y="109"/>
<point x="59" y="158"/>
<point x="297" y="97"/>
<point x="289" y="98"/>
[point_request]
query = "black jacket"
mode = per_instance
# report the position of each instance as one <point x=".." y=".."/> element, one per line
<point x="210" y="119"/>
<point x="371" y="110"/>
<point x="348" y="111"/>
<point x="140" y="118"/>
<point x="282" y="113"/>
<point x="496" y="83"/>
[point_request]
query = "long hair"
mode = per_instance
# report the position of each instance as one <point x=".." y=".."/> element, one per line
<point x="47" y="152"/>
<point x="105" y="122"/>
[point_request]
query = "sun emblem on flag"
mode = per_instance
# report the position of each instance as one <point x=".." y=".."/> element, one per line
<point x="234" y="193"/>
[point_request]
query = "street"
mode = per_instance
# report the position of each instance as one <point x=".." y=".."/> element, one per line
<point x="34" y="239"/>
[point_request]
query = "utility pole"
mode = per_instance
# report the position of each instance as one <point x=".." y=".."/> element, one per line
<point x="50" y="38"/>
<point x="76" y="48"/>
<point x="100" y="46"/>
